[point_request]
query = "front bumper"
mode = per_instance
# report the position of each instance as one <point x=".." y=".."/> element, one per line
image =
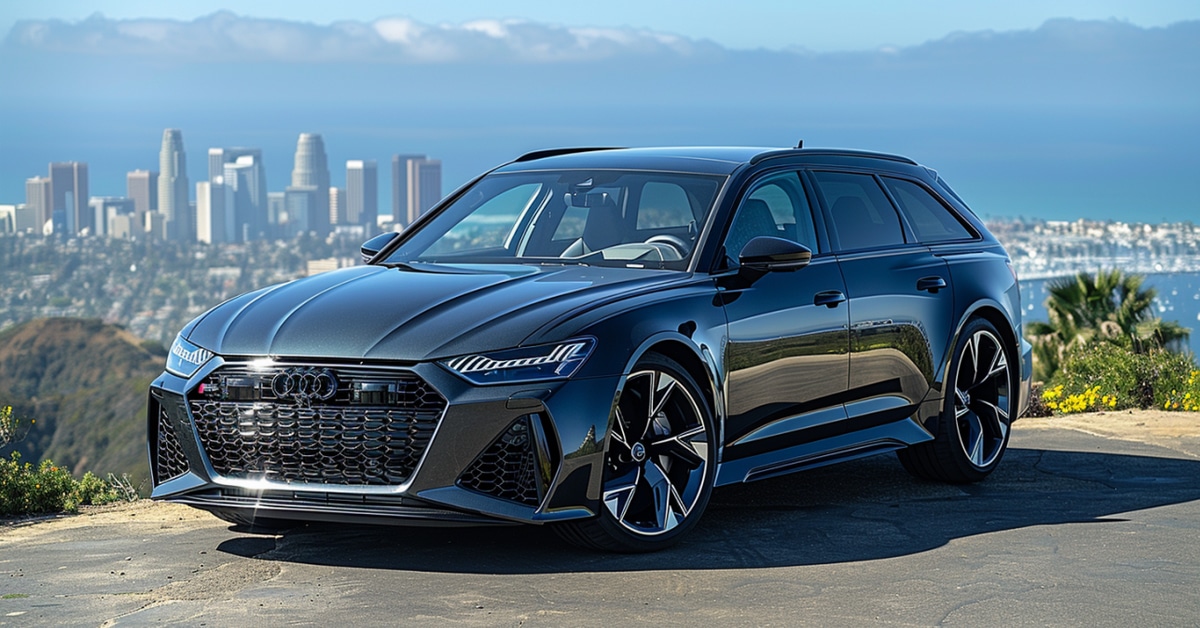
<point x="525" y="453"/>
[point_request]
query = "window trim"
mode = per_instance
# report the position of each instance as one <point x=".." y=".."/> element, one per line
<point x="972" y="233"/>
<point x="909" y="237"/>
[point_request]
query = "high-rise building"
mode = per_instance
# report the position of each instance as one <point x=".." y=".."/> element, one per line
<point x="214" y="222"/>
<point x="8" y="218"/>
<point x="69" y="199"/>
<point x="248" y="180"/>
<point x="337" y="206"/>
<point x="311" y="169"/>
<point x="38" y="200"/>
<point x="104" y="209"/>
<point x="173" y="193"/>
<point x="142" y="187"/>
<point x="305" y="210"/>
<point x="276" y="210"/>
<point x="416" y="186"/>
<point x="362" y="193"/>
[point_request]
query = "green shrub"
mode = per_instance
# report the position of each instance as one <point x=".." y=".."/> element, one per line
<point x="1096" y="376"/>
<point x="1107" y="376"/>
<point x="26" y="489"/>
<point x="1178" y="389"/>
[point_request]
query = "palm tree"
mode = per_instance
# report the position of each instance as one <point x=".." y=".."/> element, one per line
<point x="1110" y="306"/>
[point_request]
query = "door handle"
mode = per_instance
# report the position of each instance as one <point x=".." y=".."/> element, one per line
<point x="931" y="284"/>
<point x="829" y="298"/>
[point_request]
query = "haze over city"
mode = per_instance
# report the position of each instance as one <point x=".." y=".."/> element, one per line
<point x="1052" y="110"/>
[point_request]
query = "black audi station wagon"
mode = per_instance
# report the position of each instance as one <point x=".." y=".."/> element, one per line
<point x="594" y="339"/>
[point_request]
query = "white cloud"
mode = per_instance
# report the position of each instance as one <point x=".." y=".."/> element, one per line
<point x="226" y="36"/>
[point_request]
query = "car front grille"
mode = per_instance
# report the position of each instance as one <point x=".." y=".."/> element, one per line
<point x="365" y="427"/>
<point x="170" y="462"/>
<point x="508" y="467"/>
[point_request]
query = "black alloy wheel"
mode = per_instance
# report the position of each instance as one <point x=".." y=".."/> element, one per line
<point x="977" y="413"/>
<point x="659" y="466"/>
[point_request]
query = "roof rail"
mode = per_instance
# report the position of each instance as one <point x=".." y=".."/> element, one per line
<point x="846" y="152"/>
<point x="554" y="152"/>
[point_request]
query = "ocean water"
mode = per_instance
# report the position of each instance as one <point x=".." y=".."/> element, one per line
<point x="1178" y="300"/>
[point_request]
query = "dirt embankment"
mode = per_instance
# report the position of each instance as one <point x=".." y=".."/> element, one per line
<point x="1178" y="431"/>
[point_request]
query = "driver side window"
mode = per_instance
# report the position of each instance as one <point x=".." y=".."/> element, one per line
<point x="776" y="206"/>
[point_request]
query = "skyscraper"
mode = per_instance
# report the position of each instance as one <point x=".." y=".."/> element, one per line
<point x="105" y="209"/>
<point x="337" y="206"/>
<point x="248" y="180"/>
<point x="212" y="212"/>
<point x="362" y="193"/>
<point x="173" y="194"/>
<point x="38" y="199"/>
<point x="311" y="169"/>
<point x="416" y="186"/>
<point x="247" y="209"/>
<point x="142" y="187"/>
<point x="69" y="199"/>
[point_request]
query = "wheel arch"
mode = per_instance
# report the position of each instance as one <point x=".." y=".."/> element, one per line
<point x="994" y="314"/>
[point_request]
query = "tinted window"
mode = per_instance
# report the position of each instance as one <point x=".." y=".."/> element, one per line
<point x="863" y="217"/>
<point x="594" y="217"/>
<point x="931" y="221"/>
<point x="491" y="223"/>
<point x="776" y="206"/>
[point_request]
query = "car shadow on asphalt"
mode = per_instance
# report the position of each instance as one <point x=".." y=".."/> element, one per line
<point x="863" y="510"/>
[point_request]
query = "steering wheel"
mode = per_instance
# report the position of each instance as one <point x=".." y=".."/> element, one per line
<point x="674" y="242"/>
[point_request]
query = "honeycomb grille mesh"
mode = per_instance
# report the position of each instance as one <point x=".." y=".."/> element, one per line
<point x="170" y="461"/>
<point x="340" y="443"/>
<point x="508" y="467"/>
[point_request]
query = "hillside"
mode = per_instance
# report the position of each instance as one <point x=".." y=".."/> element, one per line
<point x="85" y="384"/>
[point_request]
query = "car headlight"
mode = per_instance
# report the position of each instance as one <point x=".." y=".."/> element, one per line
<point x="543" y="362"/>
<point x="185" y="358"/>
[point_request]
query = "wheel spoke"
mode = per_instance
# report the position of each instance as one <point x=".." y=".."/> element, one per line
<point x="664" y="516"/>
<point x="973" y="437"/>
<point x="998" y="425"/>
<point x="961" y="401"/>
<point x="640" y="386"/>
<point x="618" y="431"/>
<point x="681" y="448"/>
<point x="663" y="387"/>
<point x="619" y="493"/>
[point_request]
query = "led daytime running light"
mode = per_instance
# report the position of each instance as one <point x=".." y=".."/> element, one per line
<point x="561" y="354"/>
<point x="198" y="356"/>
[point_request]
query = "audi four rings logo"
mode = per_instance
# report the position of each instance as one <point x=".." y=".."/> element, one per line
<point x="304" y="385"/>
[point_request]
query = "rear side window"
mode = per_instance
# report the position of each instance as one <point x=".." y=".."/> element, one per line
<point x="927" y="216"/>
<point x="863" y="217"/>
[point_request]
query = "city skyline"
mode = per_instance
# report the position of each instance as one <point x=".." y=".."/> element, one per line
<point x="233" y="203"/>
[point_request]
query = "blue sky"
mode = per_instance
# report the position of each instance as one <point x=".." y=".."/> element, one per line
<point x="776" y="24"/>
<point x="1027" y="113"/>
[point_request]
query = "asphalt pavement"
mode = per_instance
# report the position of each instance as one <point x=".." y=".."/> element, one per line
<point x="1074" y="528"/>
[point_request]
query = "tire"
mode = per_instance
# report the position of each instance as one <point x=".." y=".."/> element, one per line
<point x="973" y="428"/>
<point x="659" y="464"/>
<point x="243" y="522"/>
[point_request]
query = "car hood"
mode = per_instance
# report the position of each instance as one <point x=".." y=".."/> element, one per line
<point x="374" y="312"/>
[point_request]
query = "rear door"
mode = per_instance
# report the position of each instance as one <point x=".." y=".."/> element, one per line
<point x="900" y="299"/>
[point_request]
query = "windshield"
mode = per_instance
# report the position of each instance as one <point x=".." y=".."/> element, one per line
<point x="633" y="219"/>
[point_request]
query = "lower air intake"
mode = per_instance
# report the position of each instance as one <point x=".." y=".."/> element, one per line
<point x="508" y="467"/>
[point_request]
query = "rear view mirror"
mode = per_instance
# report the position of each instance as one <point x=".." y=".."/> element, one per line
<point x="372" y="247"/>
<point x="768" y="254"/>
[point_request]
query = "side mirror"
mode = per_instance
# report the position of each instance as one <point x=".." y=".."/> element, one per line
<point x="372" y="247"/>
<point x="769" y="254"/>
